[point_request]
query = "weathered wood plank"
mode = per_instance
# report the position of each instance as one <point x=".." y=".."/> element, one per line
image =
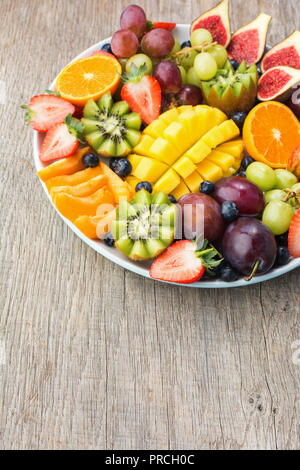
<point x="97" y="357"/>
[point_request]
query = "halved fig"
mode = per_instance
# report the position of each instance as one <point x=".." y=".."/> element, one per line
<point x="217" y="22"/>
<point x="249" y="42"/>
<point x="277" y="83"/>
<point x="286" y="53"/>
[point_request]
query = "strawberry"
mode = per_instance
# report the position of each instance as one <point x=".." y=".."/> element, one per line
<point x="183" y="263"/>
<point x="100" y="52"/>
<point x="45" y="111"/>
<point x="294" y="236"/>
<point x="142" y="93"/>
<point x="159" y="24"/>
<point x="62" y="140"/>
<point x="167" y="26"/>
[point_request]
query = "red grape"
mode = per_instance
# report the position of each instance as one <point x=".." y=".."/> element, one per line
<point x="294" y="102"/>
<point x="247" y="241"/>
<point x="190" y="95"/>
<point x="134" y="18"/>
<point x="169" y="77"/>
<point x="158" y="43"/>
<point x="247" y="196"/>
<point x="124" y="43"/>
<point x="201" y="213"/>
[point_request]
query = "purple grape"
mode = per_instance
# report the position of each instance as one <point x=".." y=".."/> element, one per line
<point x="169" y="77"/>
<point x="248" y="198"/>
<point x="134" y="18"/>
<point x="294" y="102"/>
<point x="246" y="242"/>
<point x="190" y="95"/>
<point x="124" y="43"/>
<point x="158" y="43"/>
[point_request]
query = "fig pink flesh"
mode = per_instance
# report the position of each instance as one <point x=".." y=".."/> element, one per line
<point x="272" y="83"/>
<point x="245" y="46"/>
<point x="215" y="25"/>
<point x="287" y="56"/>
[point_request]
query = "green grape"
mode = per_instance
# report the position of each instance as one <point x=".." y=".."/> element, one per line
<point x="278" y="216"/>
<point x="285" y="179"/>
<point x="274" y="195"/>
<point x="205" y="66"/>
<point x="295" y="188"/>
<point x="261" y="175"/>
<point x="187" y="59"/>
<point x="183" y="74"/>
<point x="199" y="37"/>
<point x="219" y="53"/>
<point x="138" y="60"/>
<point x="192" y="78"/>
<point x="175" y="49"/>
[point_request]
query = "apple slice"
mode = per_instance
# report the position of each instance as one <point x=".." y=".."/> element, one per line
<point x="249" y="42"/>
<point x="217" y="22"/>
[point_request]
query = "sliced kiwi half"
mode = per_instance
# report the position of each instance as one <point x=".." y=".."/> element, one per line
<point x="232" y="90"/>
<point x="144" y="227"/>
<point x="110" y="128"/>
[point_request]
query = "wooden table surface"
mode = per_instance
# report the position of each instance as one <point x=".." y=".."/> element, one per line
<point x="95" y="357"/>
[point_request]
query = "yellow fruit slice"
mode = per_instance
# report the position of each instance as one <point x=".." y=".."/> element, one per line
<point x="81" y="190"/>
<point x="163" y="151"/>
<point x="198" y="152"/>
<point x="209" y="171"/>
<point x="223" y="160"/>
<point x="177" y="135"/>
<point x="167" y="183"/>
<point x="66" y="166"/>
<point x="184" y="167"/>
<point x="150" y="170"/>
<point x="193" y="182"/>
<point x="73" y="180"/>
<point x="144" y="145"/>
<point x="180" y="191"/>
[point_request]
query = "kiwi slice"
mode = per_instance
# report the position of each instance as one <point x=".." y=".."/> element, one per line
<point x="144" y="227"/>
<point x="110" y="128"/>
<point x="232" y="90"/>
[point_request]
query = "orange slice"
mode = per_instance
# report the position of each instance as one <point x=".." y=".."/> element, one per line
<point x="271" y="132"/>
<point x="89" y="78"/>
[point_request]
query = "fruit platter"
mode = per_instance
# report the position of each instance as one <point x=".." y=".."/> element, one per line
<point x="174" y="150"/>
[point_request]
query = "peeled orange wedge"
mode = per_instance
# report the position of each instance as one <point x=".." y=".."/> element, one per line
<point x="271" y="133"/>
<point x="89" y="78"/>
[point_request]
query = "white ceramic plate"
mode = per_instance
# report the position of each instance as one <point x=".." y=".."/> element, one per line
<point x="182" y="34"/>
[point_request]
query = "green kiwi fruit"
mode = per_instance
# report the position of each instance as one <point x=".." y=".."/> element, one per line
<point x="144" y="227"/>
<point x="232" y="90"/>
<point x="110" y="128"/>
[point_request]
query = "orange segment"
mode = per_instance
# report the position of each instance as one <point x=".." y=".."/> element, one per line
<point x="89" y="78"/>
<point x="271" y="132"/>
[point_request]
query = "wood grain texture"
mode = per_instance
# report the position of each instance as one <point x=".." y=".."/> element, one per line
<point x="97" y="357"/>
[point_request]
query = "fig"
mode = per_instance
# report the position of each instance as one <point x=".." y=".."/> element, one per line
<point x="286" y="53"/>
<point x="232" y="90"/>
<point x="217" y="22"/>
<point x="277" y="83"/>
<point x="249" y="42"/>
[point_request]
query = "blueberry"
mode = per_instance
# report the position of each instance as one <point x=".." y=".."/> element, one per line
<point x="246" y="162"/>
<point x="283" y="256"/>
<point x="121" y="166"/>
<point x="259" y="71"/>
<point x="230" y="211"/>
<point x="228" y="274"/>
<point x="109" y="239"/>
<point x="90" y="160"/>
<point x="234" y="64"/>
<point x="186" y="44"/>
<point x="283" y="240"/>
<point x="239" y="119"/>
<point x="143" y="185"/>
<point x="107" y="48"/>
<point x="207" y="187"/>
<point x="172" y="199"/>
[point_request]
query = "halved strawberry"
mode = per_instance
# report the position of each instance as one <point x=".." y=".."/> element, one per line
<point x="45" y="111"/>
<point x="143" y="94"/>
<point x="167" y="26"/>
<point x="58" y="143"/>
<point x="294" y="236"/>
<point x="182" y="263"/>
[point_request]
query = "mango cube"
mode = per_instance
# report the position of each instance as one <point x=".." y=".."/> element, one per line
<point x="169" y="116"/>
<point x="198" y="152"/>
<point x="144" y="145"/>
<point x="167" y="183"/>
<point x="163" y="151"/>
<point x="229" y="130"/>
<point x="223" y="160"/>
<point x="150" y="170"/>
<point x="156" y="128"/>
<point x="177" y="135"/>
<point x="180" y="191"/>
<point x="184" y="167"/>
<point x="193" y="182"/>
<point x="209" y="171"/>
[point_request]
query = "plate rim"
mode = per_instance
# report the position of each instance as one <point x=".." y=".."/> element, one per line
<point x="121" y="260"/>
